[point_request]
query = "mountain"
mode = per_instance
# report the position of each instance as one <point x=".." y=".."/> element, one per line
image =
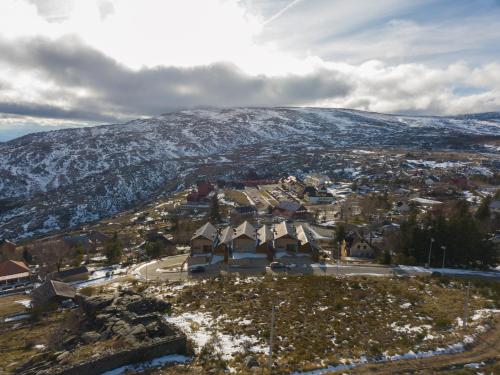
<point x="63" y="178"/>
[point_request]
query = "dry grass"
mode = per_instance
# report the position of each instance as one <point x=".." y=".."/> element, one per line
<point x="321" y="320"/>
<point x="236" y="196"/>
<point x="9" y="306"/>
<point x="17" y="340"/>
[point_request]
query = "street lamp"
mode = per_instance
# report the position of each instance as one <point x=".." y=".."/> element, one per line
<point x="430" y="250"/>
<point x="444" y="254"/>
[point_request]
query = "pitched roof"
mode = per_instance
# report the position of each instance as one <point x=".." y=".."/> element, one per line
<point x="11" y="267"/>
<point x="304" y="236"/>
<point x="265" y="234"/>
<point x="245" y="229"/>
<point x="283" y="229"/>
<point x="50" y="289"/>
<point x="226" y="235"/>
<point x="207" y="231"/>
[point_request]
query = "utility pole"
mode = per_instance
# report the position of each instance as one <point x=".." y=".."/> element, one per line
<point x="271" y="336"/>
<point x="444" y="254"/>
<point x="430" y="251"/>
<point x="466" y="306"/>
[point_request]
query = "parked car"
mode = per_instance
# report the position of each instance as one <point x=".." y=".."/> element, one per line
<point x="197" y="269"/>
<point x="278" y="266"/>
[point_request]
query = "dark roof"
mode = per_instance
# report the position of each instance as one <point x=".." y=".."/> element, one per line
<point x="50" y="289"/>
<point x="244" y="209"/>
<point x="71" y="272"/>
<point x="289" y="206"/>
<point x="11" y="267"/>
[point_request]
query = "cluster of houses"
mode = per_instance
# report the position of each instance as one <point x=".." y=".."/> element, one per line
<point x="246" y="245"/>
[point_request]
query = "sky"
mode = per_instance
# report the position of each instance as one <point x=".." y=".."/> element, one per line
<point x="66" y="63"/>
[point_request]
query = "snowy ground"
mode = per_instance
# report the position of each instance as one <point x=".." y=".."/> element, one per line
<point x="201" y="329"/>
<point x="344" y="320"/>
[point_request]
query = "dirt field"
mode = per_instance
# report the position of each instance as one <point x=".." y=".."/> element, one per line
<point x="486" y="349"/>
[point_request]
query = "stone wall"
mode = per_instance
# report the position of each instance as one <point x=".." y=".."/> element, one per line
<point x="96" y="366"/>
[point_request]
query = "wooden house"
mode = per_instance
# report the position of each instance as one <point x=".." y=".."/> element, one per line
<point x="203" y="239"/>
<point x="13" y="272"/>
<point x="52" y="292"/>
<point x="244" y="248"/>
<point x="265" y="238"/>
<point x="202" y="246"/>
<point x="307" y="245"/>
<point x="224" y="244"/>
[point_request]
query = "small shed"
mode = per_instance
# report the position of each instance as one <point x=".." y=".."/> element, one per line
<point x="51" y="292"/>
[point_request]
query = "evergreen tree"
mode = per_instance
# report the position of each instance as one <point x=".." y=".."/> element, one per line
<point x="113" y="250"/>
<point x="214" y="210"/>
<point x="154" y="249"/>
<point x="340" y="233"/>
<point x="483" y="211"/>
<point x="28" y="258"/>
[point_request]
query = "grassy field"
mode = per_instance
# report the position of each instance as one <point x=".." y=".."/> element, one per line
<point x="236" y="196"/>
<point x="10" y="305"/>
<point x="323" y="321"/>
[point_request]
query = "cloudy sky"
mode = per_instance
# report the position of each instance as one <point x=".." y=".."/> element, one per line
<point x="79" y="62"/>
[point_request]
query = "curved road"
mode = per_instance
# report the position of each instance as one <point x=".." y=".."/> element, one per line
<point x="169" y="268"/>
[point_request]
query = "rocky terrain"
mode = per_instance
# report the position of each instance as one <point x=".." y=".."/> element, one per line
<point x="61" y="179"/>
<point x="112" y="331"/>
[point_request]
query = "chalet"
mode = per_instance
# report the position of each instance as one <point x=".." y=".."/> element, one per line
<point x="203" y="239"/>
<point x="285" y="240"/>
<point x="52" y="292"/>
<point x="71" y="274"/>
<point x="202" y="245"/>
<point x="13" y="272"/>
<point x="265" y="237"/>
<point x="223" y="248"/>
<point x="360" y="249"/>
<point x="307" y="246"/>
<point x="290" y="209"/>
<point x="245" y="247"/>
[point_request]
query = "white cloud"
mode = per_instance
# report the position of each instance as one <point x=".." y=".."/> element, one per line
<point x="247" y="52"/>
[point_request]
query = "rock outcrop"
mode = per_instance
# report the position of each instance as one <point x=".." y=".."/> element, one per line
<point x="133" y="321"/>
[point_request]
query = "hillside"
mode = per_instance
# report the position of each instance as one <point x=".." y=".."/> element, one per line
<point x="64" y="178"/>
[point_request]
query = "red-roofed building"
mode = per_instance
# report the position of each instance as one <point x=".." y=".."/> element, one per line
<point x="202" y="190"/>
<point x="12" y="272"/>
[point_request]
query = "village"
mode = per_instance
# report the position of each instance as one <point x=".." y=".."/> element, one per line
<point x="352" y="220"/>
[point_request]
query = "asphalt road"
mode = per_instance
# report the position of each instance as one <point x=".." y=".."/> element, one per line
<point x="169" y="268"/>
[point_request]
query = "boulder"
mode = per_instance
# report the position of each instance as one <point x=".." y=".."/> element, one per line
<point x="92" y="305"/>
<point x="63" y="357"/>
<point x="91" y="337"/>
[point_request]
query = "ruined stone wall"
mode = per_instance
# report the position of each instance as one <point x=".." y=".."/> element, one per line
<point x="96" y="366"/>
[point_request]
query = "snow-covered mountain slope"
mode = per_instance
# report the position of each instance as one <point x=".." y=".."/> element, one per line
<point x="67" y="177"/>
